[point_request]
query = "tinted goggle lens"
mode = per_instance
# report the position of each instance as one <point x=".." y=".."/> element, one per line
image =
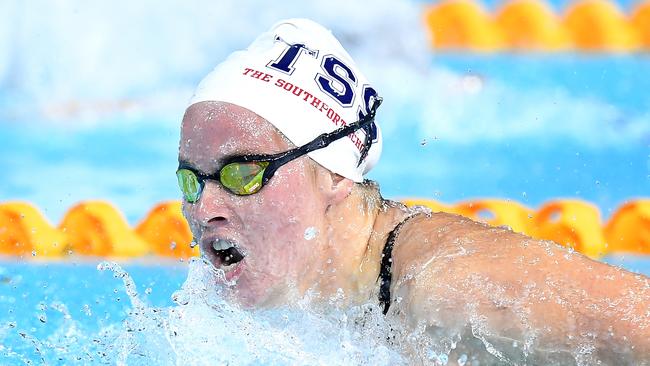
<point x="243" y="178"/>
<point x="240" y="178"/>
<point x="189" y="184"/>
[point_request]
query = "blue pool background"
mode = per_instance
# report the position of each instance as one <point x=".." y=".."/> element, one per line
<point x="588" y="138"/>
<point x="91" y="97"/>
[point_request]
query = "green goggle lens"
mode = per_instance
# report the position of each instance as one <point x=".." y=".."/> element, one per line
<point x="243" y="178"/>
<point x="189" y="184"/>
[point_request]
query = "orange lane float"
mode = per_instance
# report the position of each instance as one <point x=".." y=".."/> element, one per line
<point x="531" y="25"/>
<point x="167" y="232"/>
<point x="572" y="223"/>
<point x="640" y="21"/>
<point x="498" y="213"/>
<point x="97" y="228"/>
<point x="24" y="231"/>
<point x="586" y="25"/>
<point x="598" y="25"/>
<point x="629" y="228"/>
<point x="461" y="24"/>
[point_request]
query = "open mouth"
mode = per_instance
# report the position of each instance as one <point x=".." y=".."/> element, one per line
<point x="227" y="252"/>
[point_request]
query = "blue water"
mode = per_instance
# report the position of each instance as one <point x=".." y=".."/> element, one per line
<point x="595" y="149"/>
<point x="128" y="317"/>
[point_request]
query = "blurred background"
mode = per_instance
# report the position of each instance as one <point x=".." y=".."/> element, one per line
<point x="532" y="114"/>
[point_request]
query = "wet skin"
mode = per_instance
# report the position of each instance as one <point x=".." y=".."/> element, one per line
<point x="532" y="300"/>
<point x="281" y="261"/>
<point x="268" y="227"/>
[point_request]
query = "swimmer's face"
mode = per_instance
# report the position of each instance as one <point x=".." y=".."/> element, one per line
<point x="278" y="229"/>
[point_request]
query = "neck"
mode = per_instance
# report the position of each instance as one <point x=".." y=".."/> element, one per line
<point x="351" y="261"/>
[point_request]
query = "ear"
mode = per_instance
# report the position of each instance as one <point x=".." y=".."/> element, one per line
<point x="336" y="187"/>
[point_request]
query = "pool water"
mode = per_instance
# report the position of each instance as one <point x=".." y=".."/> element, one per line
<point x="140" y="316"/>
<point x="94" y="312"/>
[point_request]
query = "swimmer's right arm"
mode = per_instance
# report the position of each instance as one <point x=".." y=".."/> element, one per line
<point x="527" y="297"/>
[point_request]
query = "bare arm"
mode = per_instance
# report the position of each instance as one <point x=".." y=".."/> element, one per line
<point x="522" y="299"/>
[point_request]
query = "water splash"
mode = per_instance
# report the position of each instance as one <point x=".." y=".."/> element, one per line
<point x="204" y="327"/>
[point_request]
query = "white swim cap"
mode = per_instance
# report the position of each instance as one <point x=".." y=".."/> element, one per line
<point x="298" y="77"/>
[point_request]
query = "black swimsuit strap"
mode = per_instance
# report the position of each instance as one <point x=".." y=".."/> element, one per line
<point x="385" y="274"/>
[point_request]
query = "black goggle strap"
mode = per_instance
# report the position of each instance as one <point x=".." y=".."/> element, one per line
<point x="320" y="142"/>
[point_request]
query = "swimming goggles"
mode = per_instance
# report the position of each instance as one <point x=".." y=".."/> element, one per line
<point x="246" y="175"/>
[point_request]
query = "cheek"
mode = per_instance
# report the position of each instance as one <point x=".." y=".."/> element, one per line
<point x="292" y="197"/>
<point x="285" y="209"/>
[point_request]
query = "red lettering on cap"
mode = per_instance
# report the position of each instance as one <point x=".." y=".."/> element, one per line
<point x="315" y="102"/>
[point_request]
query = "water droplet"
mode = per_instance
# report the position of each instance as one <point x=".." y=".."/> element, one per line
<point x="33" y="253"/>
<point x="310" y="233"/>
<point x="423" y="142"/>
<point x="180" y="297"/>
<point x="42" y="318"/>
<point x="86" y="310"/>
<point x="172" y="246"/>
<point x="462" y="360"/>
<point x="148" y="290"/>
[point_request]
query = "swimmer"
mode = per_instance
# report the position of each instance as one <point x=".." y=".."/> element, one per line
<point x="274" y="148"/>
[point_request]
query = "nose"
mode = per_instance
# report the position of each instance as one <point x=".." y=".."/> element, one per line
<point x="213" y="207"/>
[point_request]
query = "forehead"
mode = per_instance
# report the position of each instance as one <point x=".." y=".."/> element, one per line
<point x="213" y="131"/>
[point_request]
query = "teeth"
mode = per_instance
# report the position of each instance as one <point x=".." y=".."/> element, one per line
<point x="222" y="244"/>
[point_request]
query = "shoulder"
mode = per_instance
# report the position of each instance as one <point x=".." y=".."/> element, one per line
<point x="443" y="235"/>
<point x="446" y="255"/>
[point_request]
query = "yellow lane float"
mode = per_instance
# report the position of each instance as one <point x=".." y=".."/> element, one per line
<point x="24" y="230"/>
<point x="97" y="228"/>
<point x="434" y="206"/>
<point x="598" y="25"/>
<point x="461" y="24"/>
<point x="531" y="25"/>
<point x="629" y="228"/>
<point x="588" y="25"/>
<point x="640" y="21"/>
<point x="167" y="232"/>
